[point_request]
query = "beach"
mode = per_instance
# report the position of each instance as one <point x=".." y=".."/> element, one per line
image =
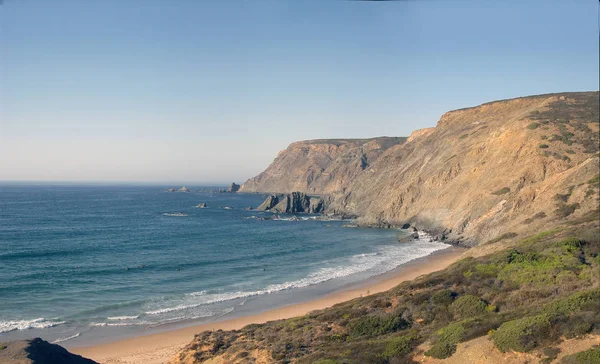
<point x="161" y="347"/>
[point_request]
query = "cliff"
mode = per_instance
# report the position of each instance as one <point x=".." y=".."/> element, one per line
<point x="505" y="168"/>
<point x="319" y="166"/>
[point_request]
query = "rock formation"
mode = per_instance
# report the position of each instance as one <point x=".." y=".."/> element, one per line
<point x="201" y="205"/>
<point x="293" y="203"/>
<point x="233" y="188"/>
<point x="38" y="351"/>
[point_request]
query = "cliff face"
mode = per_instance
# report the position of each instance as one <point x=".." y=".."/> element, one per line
<point x="319" y="166"/>
<point x="506" y="168"/>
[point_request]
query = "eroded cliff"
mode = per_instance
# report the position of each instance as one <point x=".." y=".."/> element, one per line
<point x="505" y="168"/>
<point x="319" y="166"/>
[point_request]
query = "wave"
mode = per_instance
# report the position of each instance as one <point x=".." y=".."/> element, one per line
<point x="122" y="318"/>
<point x="60" y="340"/>
<point x="174" y="214"/>
<point x="38" y="323"/>
<point x="384" y="259"/>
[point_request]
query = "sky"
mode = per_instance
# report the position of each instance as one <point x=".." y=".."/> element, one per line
<point x="207" y="92"/>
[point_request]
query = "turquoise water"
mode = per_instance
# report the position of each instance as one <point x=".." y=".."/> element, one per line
<point x="80" y="264"/>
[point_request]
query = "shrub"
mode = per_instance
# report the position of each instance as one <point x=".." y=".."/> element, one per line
<point x="591" y="356"/>
<point x="463" y="136"/>
<point x="446" y="340"/>
<point x="468" y="306"/>
<point x="501" y="191"/>
<point x="533" y="126"/>
<point x="400" y="346"/>
<point x="543" y="146"/>
<point x="443" y="297"/>
<point x="573" y="303"/>
<point x="522" y="334"/>
<point x="375" y="325"/>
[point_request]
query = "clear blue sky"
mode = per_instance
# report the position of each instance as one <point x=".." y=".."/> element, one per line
<point x="210" y="91"/>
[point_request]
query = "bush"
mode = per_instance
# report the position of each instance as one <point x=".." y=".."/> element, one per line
<point x="375" y="325"/>
<point x="446" y="340"/>
<point x="543" y="146"/>
<point x="468" y="306"/>
<point x="533" y="126"/>
<point x="591" y="356"/>
<point x="400" y="346"/>
<point x="443" y="297"/>
<point x="522" y="334"/>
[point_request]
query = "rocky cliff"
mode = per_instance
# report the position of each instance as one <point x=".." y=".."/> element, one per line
<point x="319" y="166"/>
<point x="501" y="169"/>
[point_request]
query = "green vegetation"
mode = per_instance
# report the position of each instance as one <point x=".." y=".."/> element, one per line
<point x="533" y="126"/>
<point x="446" y="340"/>
<point x="543" y="146"/>
<point x="574" y="112"/>
<point x="527" y="297"/>
<point x="463" y="136"/>
<point x="468" y="306"/>
<point x="377" y="325"/>
<point x="400" y="346"/>
<point x="501" y="191"/>
<point x="591" y="356"/>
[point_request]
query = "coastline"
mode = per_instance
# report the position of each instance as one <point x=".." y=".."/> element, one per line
<point x="161" y="347"/>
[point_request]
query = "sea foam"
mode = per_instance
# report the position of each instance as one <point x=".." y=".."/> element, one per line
<point x="38" y="323"/>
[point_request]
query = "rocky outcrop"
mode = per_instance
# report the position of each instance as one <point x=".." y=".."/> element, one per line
<point x="38" y="351"/>
<point x="319" y="166"/>
<point x="201" y="205"/>
<point x="233" y="188"/>
<point x="295" y="202"/>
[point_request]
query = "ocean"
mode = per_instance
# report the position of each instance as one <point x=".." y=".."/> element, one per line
<point x="81" y="265"/>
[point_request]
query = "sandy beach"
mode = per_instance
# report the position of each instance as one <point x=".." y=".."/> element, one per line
<point x="161" y="347"/>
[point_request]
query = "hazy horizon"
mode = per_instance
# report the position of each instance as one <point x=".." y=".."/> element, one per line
<point x="207" y="93"/>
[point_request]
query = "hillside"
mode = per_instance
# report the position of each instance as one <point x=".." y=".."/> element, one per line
<point x="518" y="178"/>
<point x="505" y="168"/>
<point x="319" y="166"/>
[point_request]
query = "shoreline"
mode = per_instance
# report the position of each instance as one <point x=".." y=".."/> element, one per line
<point x="162" y="346"/>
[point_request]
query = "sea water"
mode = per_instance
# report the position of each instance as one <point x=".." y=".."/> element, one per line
<point x="86" y="264"/>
